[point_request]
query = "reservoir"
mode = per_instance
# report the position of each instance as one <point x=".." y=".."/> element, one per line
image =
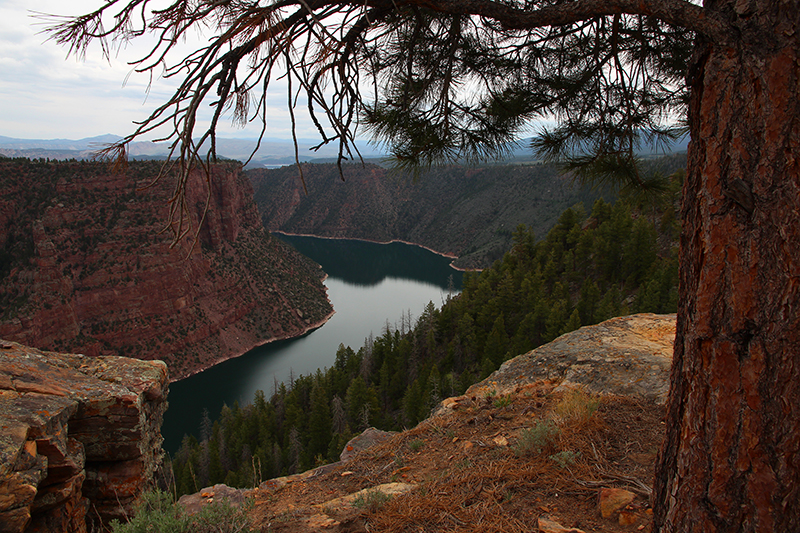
<point x="370" y="286"/>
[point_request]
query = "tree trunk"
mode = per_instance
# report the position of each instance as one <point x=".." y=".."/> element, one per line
<point x="731" y="458"/>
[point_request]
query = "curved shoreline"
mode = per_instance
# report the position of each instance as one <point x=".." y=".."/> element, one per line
<point x="325" y="319"/>
<point x="234" y="355"/>
<point x="442" y="254"/>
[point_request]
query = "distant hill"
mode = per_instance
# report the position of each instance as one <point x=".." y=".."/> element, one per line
<point x="466" y="212"/>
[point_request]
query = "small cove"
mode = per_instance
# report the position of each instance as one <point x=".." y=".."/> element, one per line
<point x="370" y="285"/>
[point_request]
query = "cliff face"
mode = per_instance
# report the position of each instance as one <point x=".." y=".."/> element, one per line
<point x="80" y="438"/>
<point x="469" y="213"/>
<point x="85" y="267"/>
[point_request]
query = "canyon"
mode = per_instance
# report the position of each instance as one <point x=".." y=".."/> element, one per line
<point x="89" y="263"/>
<point x="80" y="443"/>
<point x="468" y="213"/>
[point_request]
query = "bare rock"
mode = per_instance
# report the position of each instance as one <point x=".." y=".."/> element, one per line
<point x="75" y="432"/>
<point x="628" y="356"/>
<point x="611" y="500"/>
<point x="368" y="438"/>
<point x="627" y="518"/>
<point x="548" y="525"/>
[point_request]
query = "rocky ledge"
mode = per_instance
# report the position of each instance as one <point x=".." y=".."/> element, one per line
<point x="80" y="437"/>
<point x="627" y="356"/>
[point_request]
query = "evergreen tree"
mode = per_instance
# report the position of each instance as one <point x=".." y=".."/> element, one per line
<point x="319" y="424"/>
<point x="496" y="343"/>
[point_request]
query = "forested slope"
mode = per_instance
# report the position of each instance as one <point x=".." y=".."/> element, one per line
<point x="619" y="259"/>
<point x="466" y="212"/>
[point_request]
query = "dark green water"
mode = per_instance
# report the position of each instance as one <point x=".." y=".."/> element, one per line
<point x="369" y="285"/>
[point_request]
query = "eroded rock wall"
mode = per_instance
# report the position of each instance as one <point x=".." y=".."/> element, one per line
<point x="85" y="266"/>
<point x="80" y="437"/>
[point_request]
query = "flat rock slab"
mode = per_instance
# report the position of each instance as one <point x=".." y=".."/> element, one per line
<point x="628" y="356"/>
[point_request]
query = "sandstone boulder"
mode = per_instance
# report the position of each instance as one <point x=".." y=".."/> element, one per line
<point x="611" y="500"/>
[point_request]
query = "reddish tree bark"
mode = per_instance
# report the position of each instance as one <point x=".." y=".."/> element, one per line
<point x="731" y="458"/>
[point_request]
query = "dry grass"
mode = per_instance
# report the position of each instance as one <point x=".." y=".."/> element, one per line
<point x="469" y="477"/>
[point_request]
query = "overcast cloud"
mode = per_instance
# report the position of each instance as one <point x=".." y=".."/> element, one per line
<point x="45" y="95"/>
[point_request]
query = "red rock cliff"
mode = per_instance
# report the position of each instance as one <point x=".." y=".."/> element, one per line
<point x="80" y="438"/>
<point x="85" y="266"/>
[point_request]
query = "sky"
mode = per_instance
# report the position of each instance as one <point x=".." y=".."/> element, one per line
<point x="46" y="95"/>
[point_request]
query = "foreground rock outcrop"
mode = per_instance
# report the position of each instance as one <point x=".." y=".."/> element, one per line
<point x="628" y="356"/>
<point x="85" y="266"/>
<point x="80" y="437"/>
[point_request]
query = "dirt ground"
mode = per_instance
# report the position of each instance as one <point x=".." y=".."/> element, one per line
<point x="479" y="466"/>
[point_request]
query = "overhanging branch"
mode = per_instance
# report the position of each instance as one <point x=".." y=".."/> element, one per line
<point x="678" y="13"/>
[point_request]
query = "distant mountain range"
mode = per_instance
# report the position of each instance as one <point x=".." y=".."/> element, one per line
<point x="271" y="152"/>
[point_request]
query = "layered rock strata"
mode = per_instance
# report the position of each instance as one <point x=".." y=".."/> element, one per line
<point x="80" y="437"/>
<point x="85" y="265"/>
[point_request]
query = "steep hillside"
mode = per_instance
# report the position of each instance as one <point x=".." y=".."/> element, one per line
<point x="532" y="448"/>
<point x="465" y="212"/>
<point x="85" y="267"/>
<point x="469" y="213"/>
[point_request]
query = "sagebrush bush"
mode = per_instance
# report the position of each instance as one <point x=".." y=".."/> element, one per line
<point x="371" y="500"/>
<point x="565" y="458"/>
<point x="157" y="512"/>
<point x="539" y="438"/>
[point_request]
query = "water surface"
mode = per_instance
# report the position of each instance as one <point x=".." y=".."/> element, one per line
<point x="370" y="285"/>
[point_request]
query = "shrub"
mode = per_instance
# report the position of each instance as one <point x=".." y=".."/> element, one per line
<point x="157" y="512"/>
<point x="416" y="444"/>
<point x="537" y="439"/>
<point x="504" y="401"/>
<point x="565" y="458"/>
<point x="370" y="500"/>
<point x="576" y="407"/>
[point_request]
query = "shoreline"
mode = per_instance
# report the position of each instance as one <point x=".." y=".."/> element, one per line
<point x="325" y="319"/>
<point x="234" y="355"/>
<point x="442" y="254"/>
<point x="308" y="329"/>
